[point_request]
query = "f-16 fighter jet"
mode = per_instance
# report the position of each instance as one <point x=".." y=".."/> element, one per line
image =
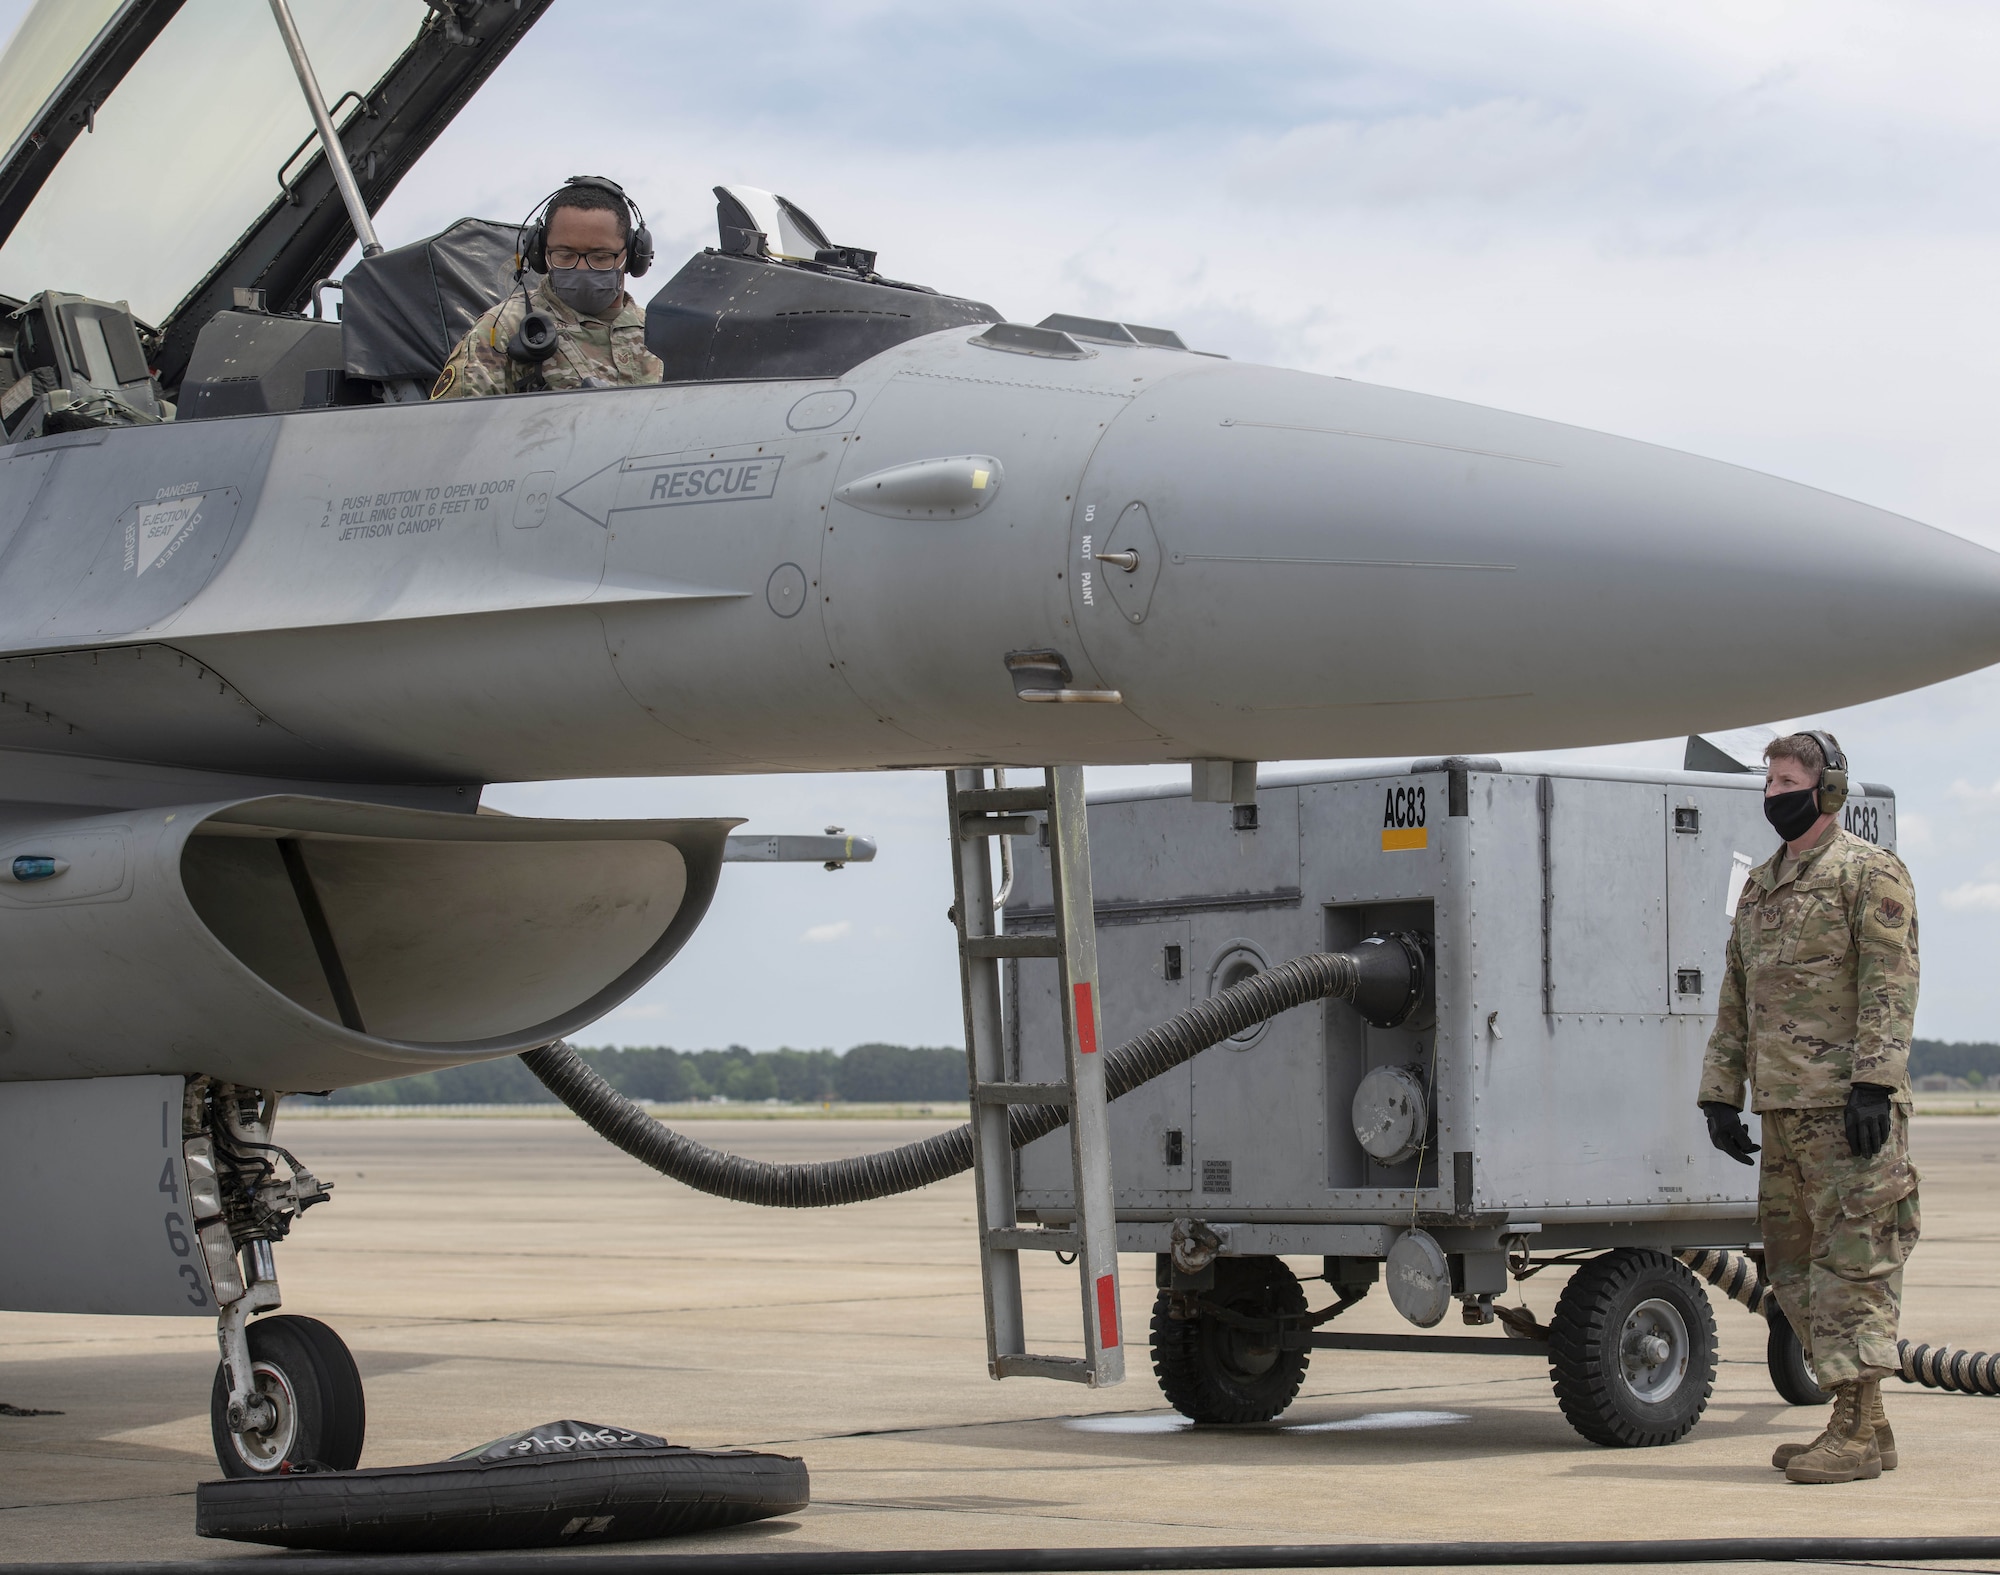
<point x="270" y="617"/>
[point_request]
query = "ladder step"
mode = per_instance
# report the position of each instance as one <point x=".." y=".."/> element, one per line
<point x="1013" y="1238"/>
<point x="973" y="801"/>
<point x="1073" y="1369"/>
<point x="1021" y="1093"/>
<point x="1012" y="946"/>
<point x="970" y="826"/>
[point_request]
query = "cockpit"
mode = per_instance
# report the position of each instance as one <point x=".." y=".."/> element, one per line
<point x="178" y="192"/>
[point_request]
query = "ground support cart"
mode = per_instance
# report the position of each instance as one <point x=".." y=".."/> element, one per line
<point x="1541" y="1106"/>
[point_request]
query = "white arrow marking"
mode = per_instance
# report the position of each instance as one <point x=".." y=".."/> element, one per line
<point x="671" y="482"/>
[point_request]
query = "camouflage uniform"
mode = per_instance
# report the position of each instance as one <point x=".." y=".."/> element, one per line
<point x="1820" y="993"/>
<point x="605" y="351"/>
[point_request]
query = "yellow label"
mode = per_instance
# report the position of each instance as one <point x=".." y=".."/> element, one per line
<point x="1394" y="841"/>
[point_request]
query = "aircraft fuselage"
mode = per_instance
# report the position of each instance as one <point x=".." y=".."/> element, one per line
<point x="673" y="580"/>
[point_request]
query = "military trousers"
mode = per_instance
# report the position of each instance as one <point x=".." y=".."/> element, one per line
<point x="1837" y="1230"/>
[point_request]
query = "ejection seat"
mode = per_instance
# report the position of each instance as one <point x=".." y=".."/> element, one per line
<point x="400" y="315"/>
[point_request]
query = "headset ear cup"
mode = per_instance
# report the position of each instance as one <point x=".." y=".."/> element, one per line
<point x="534" y="248"/>
<point x="639" y="255"/>
<point x="1832" y="793"/>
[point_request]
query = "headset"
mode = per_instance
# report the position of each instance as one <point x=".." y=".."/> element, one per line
<point x="538" y="338"/>
<point x="1832" y="776"/>
<point x="534" y="252"/>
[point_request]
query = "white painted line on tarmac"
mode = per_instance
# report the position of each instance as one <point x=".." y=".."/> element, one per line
<point x="1127" y="1424"/>
<point x="1381" y="1421"/>
<point x="1368" y="1422"/>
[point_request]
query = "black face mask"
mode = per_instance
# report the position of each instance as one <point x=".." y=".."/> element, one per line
<point x="1792" y="814"/>
<point x="591" y="291"/>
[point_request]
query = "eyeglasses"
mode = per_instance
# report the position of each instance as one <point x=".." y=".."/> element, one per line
<point x="596" y="262"/>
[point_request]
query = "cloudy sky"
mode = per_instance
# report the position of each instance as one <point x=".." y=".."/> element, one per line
<point x="1765" y="232"/>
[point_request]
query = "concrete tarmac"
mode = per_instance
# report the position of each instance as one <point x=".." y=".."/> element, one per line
<point x="491" y="1274"/>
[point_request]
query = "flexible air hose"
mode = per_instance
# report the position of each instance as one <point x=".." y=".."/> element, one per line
<point x="1384" y="977"/>
<point x="1735" y="1275"/>
<point x="1941" y="1367"/>
<point x="1935" y="1367"/>
<point x="1382" y="993"/>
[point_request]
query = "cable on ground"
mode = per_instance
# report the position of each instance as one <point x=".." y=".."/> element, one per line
<point x="1098" y="1560"/>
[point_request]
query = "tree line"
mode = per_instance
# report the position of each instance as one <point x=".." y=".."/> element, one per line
<point x="870" y="1074"/>
<point x="1976" y="1063"/>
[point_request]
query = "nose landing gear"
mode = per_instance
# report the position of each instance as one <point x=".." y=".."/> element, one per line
<point x="309" y="1405"/>
<point x="287" y="1393"/>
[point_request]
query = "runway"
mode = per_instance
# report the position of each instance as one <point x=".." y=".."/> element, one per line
<point x="495" y="1273"/>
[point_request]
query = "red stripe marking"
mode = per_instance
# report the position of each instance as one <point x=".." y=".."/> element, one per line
<point x="1107" y="1302"/>
<point x="1086" y="1024"/>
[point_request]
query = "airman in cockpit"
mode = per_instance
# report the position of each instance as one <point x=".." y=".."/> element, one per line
<point x="578" y="328"/>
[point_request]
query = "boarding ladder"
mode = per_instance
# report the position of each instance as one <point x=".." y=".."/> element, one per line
<point x="979" y="813"/>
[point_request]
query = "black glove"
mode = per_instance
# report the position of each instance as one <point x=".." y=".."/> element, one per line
<point x="1727" y="1131"/>
<point x="1867" y="1119"/>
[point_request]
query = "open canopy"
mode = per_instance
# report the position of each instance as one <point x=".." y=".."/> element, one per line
<point x="162" y="154"/>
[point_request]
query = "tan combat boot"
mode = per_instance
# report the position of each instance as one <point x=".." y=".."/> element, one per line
<point x="1846" y="1451"/>
<point x="1885" y="1440"/>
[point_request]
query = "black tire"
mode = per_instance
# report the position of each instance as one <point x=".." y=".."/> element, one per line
<point x="458" y="1506"/>
<point x="323" y="1416"/>
<point x="1212" y="1372"/>
<point x="1616" y="1387"/>
<point x="1791" y="1374"/>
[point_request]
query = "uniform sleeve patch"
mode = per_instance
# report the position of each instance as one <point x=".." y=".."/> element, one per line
<point x="447" y="380"/>
<point x="1888" y="914"/>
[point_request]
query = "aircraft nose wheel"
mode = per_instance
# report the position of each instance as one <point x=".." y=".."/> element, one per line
<point x="314" y="1411"/>
<point x="264" y="1444"/>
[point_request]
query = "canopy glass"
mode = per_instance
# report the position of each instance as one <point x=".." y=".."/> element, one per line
<point x="51" y="39"/>
<point x="187" y="152"/>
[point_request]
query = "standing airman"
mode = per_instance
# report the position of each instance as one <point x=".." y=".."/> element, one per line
<point x="1817" y="1005"/>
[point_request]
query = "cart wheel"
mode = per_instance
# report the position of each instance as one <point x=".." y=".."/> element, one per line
<point x="305" y="1370"/>
<point x="1211" y="1371"/>
<point x="1791" y="1374"/>
<point x="1632" y="1349"/>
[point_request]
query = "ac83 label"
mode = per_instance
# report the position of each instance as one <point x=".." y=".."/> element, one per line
<point x="1405" y="814"/>
<point x="1403" y="808"/>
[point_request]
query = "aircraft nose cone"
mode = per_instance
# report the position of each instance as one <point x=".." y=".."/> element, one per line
<point x="1348" y="570"/>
